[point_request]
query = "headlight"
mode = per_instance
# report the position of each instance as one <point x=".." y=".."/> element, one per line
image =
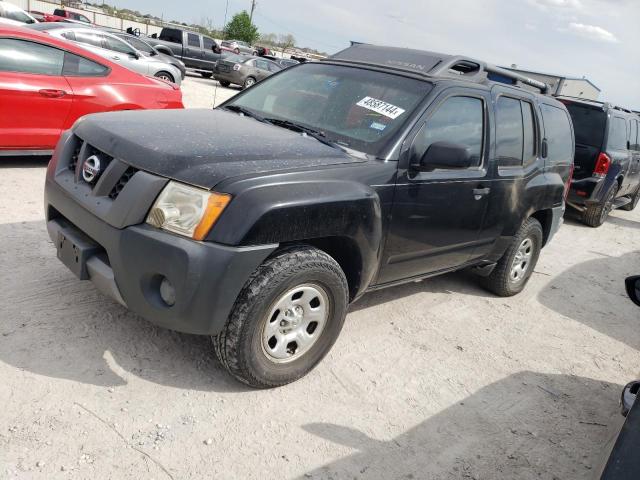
<point x="186" y="210"/>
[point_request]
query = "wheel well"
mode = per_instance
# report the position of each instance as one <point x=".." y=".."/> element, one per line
<point x="619" y="180"/>
<point x="545" y="217"/>
<point x="165" y="72"/>
<point x="344" y="251"/>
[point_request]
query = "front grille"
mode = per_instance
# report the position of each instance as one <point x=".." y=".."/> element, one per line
<point x="120" y="184"/>
<point x="73" y="163"/>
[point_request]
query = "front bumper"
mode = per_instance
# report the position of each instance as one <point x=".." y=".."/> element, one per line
<point x="127" y="261"/>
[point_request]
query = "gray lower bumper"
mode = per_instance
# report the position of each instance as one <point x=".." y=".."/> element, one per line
<point x="556" y="221"/>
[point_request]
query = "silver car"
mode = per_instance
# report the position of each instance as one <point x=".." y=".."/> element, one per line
<point x="113" y="48"/>
<point x="237" y="47"/>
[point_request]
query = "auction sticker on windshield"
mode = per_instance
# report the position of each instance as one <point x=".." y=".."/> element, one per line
<point x="383" y="108"/>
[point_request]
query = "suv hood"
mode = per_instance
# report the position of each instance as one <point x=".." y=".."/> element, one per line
<point x="203" y="147"/>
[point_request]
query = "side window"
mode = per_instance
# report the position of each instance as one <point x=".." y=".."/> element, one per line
<point x="509" y="132"/>
<point x="208" y="43"/>
<point x="633" y="139"/>
<point x="77" y="66"/>
<point x="193" y="40"/>
<point x="262" y="65"/>
<point x="273" y="67"/>
<point x="89" y="38"/>
<point x="30" y="57"/>
<point x="458" y="120"/>
<point x="618" y="134"/>
<point x="117" y="45"/>
<point x="528" y="119"/>
<point x="84" y="19"/>
<point x="558" y="134"/>
<point x="138" y="44"/>
<point x="171" y="35"/>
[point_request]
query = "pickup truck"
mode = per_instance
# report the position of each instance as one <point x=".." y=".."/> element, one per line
<point x="327" y="180"/>
<point x="63" y="15"/>
<point x="197" y="51"/>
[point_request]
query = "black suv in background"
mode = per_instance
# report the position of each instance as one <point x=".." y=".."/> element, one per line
<point x="607" y="159"/>
<point x="376" y="167"/>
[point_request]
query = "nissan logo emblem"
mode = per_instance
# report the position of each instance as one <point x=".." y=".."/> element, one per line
<point x="91" y="168"/>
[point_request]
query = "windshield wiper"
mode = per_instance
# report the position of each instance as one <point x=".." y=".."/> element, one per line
<point x="296" y="127"/>
<point x="244" y="111"/>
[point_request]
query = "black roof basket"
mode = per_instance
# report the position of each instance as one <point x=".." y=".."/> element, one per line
<point x="431" y="64"/>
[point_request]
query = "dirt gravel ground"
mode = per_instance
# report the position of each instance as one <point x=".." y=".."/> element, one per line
<point x="432" y="380"/>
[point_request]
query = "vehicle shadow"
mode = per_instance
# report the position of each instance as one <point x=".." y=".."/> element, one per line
<point x="526" y="426"/>
<point x="55" y="325"/>
<point x="600" y="301"/>
<point x="24" y="162"/>
<point x="464" y="282"/>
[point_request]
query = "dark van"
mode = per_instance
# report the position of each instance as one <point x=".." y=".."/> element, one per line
<point x="607" y="159"/>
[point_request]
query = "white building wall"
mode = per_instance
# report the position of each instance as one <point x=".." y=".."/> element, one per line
<point x="579" y="88"/>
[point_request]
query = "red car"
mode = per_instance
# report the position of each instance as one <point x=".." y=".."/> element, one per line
<point x="62" y="15"/>
<point x="46" y="84"/>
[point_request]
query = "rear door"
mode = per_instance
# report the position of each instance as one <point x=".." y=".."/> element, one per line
<point x="590" y="126"/>
<point x="209" y="55"/>
<point x="438" y="215"/>
<point x="634" y="141"/>
<point x="34" y="96"/>
<point x="193" y="49"/>
<point x="618" y="150"/>
<point x="262" y="69"/>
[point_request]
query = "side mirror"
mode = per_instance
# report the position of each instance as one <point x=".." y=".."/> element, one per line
<point x="444" y="155"/>
<point x="134" y="55"/>
<point x="633" y="289"/>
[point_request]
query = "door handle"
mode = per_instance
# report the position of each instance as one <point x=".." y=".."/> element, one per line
<point x="52" y="93"/>
<point x="478" y="193"/>
<point x="116" y="57"/>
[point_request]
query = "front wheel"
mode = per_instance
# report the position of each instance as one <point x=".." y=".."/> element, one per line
<point x="595" y="215"/>
<point x="166" y="76"/>
<point x="514" y="269"/>
<point x="285" y="320"/>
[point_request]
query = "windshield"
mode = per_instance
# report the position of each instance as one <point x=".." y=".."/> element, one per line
<point x="588" y="123"/>
<point x="354" y="107"/>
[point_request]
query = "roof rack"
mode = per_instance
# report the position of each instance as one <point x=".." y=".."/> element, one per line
<point x="597" y="102"/>
<point x="432" y="64"/>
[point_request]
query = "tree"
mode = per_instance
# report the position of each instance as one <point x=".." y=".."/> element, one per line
<point x="269" y="39"/>
<point x="241" y="28"/>
<point x="286" y="41"/>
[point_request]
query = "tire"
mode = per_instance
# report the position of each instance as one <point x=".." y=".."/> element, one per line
<point x="206" y="74"/>
<point x="165" y="76"/>
<point x="236" y="51"/>
<point x="502" y="281"/>
<point x="224" y="83"/>
<point x="253" y="346"/>
<point x="595" y="215"/>
<point x="635" y="198"/>
<point x="249" y="82"/>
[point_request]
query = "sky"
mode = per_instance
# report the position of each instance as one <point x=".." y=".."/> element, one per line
<point x="598" y="39"/>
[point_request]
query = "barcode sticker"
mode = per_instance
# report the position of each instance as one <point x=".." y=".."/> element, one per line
<point x="383" y="108"/>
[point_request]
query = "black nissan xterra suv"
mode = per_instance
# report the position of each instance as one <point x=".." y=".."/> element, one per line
<point x="259" y="222"/>
<point x="607" y="159"/>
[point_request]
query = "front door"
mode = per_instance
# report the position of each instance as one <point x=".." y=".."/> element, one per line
<point x="193" y="49"/>
<point x="34" y="96"/>
<point x="438" y="214"/>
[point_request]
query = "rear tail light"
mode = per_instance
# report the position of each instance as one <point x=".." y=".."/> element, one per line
<point x="567" y="185"/>
<point x="602" y="165"/>
<point x="237" y="67"/>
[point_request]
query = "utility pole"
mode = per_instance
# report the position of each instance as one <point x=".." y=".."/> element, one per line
<point x="253" y="7"/>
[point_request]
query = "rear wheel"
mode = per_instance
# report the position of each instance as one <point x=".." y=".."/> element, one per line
<point x="166" y="76"/>
<point x="224" y="83"/>
<point x="206" y="74"/>
<point x="595" y="215"/>
<point x="285" y="320"/>
<point x="249" y="82"/>
<point x="635" y="198"/>
<point x="514" y="269"/>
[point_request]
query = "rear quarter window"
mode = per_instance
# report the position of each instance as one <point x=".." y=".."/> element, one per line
<point x="559" y="134"/>
<point x="618" y="134"/>
<point x="171" y="35"/>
